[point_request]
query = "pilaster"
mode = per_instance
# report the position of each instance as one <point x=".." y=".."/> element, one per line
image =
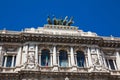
<point x="104" y="61"/>
<point x="118" y="59"/>
<point x="1" y="56"/>
<point x="89" y="57"/>
<point x="72" y="56"/>
<point x="36" y="54"/>
<point x="18" y="57"/>
<point x="24" y="54"/>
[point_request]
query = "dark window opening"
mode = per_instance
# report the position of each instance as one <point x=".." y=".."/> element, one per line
<point x="111" y="64"/>
<point x="45" y="57"/>
<point x="80" y="59"/>
<point x="63" y="58"/>
<point x="9" y="61"/>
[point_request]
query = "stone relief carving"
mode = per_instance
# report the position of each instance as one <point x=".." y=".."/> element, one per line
<point x="31" y="64"/>
<point x="31" y="58"/>
<point x="96" y="62"/>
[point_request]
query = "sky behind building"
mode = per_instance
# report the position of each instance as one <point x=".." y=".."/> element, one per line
<point x="100" y="16"/>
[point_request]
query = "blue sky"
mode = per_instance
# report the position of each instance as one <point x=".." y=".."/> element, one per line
<point x="100" y="16"/>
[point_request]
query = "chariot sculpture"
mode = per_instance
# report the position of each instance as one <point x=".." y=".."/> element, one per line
<point x="61" y="21"/>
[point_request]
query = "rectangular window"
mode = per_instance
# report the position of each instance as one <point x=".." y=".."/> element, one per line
<point x="9" y="61"/>
<point x="110" y="64"/>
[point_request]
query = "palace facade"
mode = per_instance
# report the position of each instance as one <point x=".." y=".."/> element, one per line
<point x="58" y="52"/>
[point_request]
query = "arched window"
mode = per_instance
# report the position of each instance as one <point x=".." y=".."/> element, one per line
<point x="45" y="57"/>
<point x="80" y="59"/>
<point x="63" y="58"/>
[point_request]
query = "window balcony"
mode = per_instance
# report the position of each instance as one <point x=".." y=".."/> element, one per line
<point x="7" y="69"/>
<point x="82" y="69"/>
<point x="65" y="69"/>
<point x="46" y="68"/>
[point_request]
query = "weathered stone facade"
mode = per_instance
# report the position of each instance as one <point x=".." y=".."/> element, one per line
<point x="57" y="52"/>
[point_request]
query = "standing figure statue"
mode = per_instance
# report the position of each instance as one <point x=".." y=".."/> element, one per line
<point x="49" y="20"/>
<point x="70" y="21"/>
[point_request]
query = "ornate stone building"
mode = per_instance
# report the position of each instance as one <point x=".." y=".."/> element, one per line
<point x="58" y="52"/>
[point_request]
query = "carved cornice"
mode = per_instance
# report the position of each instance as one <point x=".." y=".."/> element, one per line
<point x="26" y="37"/>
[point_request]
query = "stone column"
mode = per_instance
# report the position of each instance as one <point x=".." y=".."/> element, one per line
<point x="18" y="57"/>
<point x="118" y="60"/>
<point x="55" y="65"/>
<point x="1" y="57"/>
<point x="36" y="54"/>
<point x="54" y="56"/>
<point x="51" y="61"/>
<point x="13" y="57"/>
<point x="40" y="59"/>
<point x="58" y="61"/>
<point x="69" y="60"/>
<point x="5" y="61"/>
<point x="76" y="59"/>
<point x="89" y="57"/>
<point x="72" y="56"/>
<point x="86" y="59"/>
